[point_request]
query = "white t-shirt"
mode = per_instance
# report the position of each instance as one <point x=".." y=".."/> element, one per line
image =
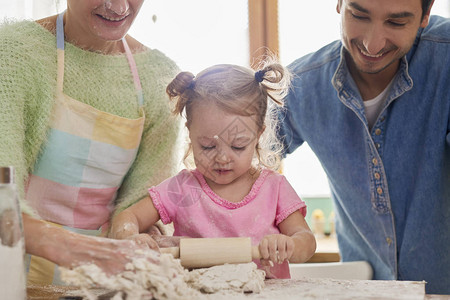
<point x="373" y="107"/>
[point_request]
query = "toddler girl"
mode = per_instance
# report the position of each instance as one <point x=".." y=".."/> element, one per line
<point x="234" y="190"/>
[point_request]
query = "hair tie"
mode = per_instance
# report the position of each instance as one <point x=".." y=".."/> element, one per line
<point x="259" y="75"/>
<point x="191" y="85"/>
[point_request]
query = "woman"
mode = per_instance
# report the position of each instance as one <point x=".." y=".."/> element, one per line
<point x="86" y="124"/>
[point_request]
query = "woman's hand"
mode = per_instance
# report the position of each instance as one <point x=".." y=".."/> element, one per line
<point x="69" y="249"/>
<point x="276" y="248"/>
<point x="108" y="254"/>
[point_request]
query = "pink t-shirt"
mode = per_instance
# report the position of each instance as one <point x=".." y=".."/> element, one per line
<point x="196" y="211"/>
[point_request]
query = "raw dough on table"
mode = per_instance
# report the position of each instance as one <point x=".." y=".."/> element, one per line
<point x="229" y="277"/>
<point x="141" y="280"/>
<point x="167" y="279"/>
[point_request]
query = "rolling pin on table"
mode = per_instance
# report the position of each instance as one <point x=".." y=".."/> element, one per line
<point x="208" y="252"/>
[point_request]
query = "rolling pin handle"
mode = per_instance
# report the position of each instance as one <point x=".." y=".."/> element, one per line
<point x="175" y="251"/>
<point x="255" y="253"/>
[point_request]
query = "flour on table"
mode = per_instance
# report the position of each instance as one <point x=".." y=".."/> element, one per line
<point x="229" y="277"/>
<point x="141" y="280"/>
<point x="167" y="279"/>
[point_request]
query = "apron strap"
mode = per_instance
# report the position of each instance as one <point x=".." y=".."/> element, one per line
<point x="60" y="60"/>
<point x="60" y="52"/>
<point x="134" y="72"/>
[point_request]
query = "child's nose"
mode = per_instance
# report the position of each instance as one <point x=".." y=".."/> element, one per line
<point x="222" y="156"/>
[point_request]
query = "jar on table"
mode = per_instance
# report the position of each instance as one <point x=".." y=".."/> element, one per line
<point x="12" y="248"/>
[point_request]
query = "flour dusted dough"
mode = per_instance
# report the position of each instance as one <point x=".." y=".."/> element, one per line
<point x="141" y="280"/>
<point x="167" y="279"/>
<point x="229" y="277"/>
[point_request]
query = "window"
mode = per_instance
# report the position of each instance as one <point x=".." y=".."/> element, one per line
<point x="304" y="27"/>
<point x="195" y="34"/>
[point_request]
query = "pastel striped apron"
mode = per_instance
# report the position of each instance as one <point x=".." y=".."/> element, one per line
<point x="88" y="153"/>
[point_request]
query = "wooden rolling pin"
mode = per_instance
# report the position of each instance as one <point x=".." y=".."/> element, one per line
<point x="208" y="252"/>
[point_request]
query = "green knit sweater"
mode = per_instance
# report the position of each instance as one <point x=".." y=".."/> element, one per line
<point x="27" y="89"/>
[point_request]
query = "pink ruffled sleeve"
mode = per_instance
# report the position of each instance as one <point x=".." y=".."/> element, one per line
<point x="288" y="201"/>
<point x="172" y="194"/>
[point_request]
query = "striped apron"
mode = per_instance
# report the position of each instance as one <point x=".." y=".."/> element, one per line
<point x="88" y="153"/>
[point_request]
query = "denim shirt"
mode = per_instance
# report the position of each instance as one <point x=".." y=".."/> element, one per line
<point x="390" y="184"/>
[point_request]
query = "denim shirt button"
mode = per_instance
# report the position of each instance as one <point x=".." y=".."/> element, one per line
<point x="378" y="131"/>
<point x="345" y="94"/>
<point x="389" y="241"/>
<point x="375" y="161"/>
<point x="378" y="145"/>
<point x="379" y="191"/>
<point x="377" y="175"/>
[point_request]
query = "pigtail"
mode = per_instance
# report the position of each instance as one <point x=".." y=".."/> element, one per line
<point x="274" y="79"/>
<point x="180" y="90"/>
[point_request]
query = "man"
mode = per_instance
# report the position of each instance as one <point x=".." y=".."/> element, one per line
<point x="375" y="109"/>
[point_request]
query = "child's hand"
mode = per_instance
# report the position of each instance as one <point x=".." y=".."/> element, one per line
<point x="144" y="240"/>
<point x="276" y="248"/>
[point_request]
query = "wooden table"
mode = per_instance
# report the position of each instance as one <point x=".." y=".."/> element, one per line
<point x="282" y="289"/>
<point x="327" y="250"/>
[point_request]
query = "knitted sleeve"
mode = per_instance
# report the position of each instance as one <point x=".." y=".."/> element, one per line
<point x="26" y="89"/>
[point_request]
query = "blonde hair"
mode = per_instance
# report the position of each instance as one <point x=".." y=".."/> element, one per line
<point x="239" y="91"/>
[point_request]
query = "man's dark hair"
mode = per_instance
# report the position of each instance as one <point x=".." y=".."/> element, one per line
<point x="425" y="6"/>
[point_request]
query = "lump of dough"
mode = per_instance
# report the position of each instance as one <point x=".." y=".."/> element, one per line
<point x="229" y="277"/>
<point x="143" y="279"/>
